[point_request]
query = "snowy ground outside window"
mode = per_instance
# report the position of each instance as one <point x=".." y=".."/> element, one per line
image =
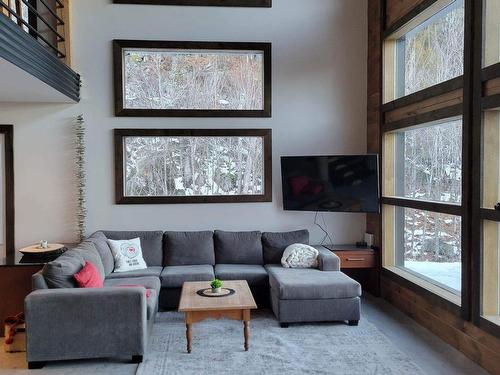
<point x="447" y="273"/>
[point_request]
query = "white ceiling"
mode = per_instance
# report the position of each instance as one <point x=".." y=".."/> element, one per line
<point x="16" y="85"/>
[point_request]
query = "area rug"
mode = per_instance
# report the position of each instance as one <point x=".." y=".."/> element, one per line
<point x="323" y="348"/>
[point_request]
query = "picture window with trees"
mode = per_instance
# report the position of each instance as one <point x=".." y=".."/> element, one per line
<point x="193" y="166"/>
<point x="423" y="129"/>
<point x="194" y="79"/>
<point x="425" y="53"/>
<point x="423" y="174"/>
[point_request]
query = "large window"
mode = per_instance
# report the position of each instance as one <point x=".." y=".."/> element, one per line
<point x="156" y="78"/>
<point x="427" y="52"/>
<point x="423" y="168"/>
<point x="429" y="162"/>
<point x="423" y="156"/>
<point x="191" y="166"/>
<point x="440" y="126"/>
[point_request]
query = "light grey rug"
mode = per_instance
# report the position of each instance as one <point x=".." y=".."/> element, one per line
<point x="326" y="348"/>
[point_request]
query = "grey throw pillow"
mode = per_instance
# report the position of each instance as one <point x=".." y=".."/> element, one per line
<point x="274" y="244"/>
<point x="238" y="247"/>
<point x="87" y="250"/>
<point x="59" y="273"/>
<point x="101" y="244"/>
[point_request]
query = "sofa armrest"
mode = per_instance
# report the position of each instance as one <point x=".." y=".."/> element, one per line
<point x="327" y="260"/>
<point x="85" y="323"/>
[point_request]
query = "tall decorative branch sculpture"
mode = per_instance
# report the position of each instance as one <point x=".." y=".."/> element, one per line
<point x="81" y="213"/>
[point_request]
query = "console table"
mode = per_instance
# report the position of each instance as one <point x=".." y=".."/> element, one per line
<point x="360" y="263"/>
<point x="15" y="282"/>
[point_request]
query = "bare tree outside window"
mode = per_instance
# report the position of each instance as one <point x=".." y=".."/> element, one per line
<point x="193" y="166"/>
<point x="433" y="52"/>
<point x="198" y="80"/>
<point x="433" y="163"/>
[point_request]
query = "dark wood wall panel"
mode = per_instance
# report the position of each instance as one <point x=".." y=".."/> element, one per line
<point x="476" y="344"/>
<point x="374" y="100"/>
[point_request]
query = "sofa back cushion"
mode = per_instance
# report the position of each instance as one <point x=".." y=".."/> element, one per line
<point x="59" y="273"/>
<point x="88" y="251"/>
<point x="188" y="248"/>
<point x="101" y="244"/>
<point x="151" y="243"/>
<point x="274" y="244"/>
<point x="238" y="247"/>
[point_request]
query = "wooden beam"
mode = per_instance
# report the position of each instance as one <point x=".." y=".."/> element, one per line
<point x="424" y="106"/>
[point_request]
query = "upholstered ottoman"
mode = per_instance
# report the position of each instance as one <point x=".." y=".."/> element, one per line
<point x="311" y="295"/>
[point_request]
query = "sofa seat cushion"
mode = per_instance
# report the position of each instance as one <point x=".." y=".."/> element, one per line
<point x="238" y="247"/>
<point x="150" y="271"/>
<point x="188" y="248"/>
<point x="151" y="243"/>
<point x="149" y="282"/>
<point x="175" y="276"/>
<point x="310" y="284"/>
<point x="274" y="244"/>
<point x="255" y="275"/>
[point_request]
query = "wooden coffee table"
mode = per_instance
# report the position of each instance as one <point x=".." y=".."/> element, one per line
<point x="236" y="306"/>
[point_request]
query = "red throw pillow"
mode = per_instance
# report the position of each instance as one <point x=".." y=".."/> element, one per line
<point x="148" y="292"/>
<point x="88" y="277"/>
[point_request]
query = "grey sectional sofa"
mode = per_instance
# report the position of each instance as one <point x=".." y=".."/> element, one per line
<point x="65" y="322"/>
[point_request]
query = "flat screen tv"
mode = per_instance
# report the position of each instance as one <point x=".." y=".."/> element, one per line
<point x="335" y="183"/>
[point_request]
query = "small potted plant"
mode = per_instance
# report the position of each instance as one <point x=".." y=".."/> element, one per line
<point x="216" y="285"/>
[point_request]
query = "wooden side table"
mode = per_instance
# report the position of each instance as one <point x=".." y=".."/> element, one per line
<point x="360" y="263"/>
<point x="15" y="279"/>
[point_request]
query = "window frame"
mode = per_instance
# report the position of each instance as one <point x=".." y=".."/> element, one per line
<point x="399" y="46"/>
<point x="121" y="134"/>
<point x="121" y="111"/>
<point x="443" y="109"/>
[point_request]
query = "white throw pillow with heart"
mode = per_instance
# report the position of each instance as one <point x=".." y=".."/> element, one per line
<point x="127" y="254"/>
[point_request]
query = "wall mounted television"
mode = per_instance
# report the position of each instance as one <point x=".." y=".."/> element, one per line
<point x="332" y="183"/>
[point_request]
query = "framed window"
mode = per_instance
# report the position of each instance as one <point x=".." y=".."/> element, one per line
<point x="428" y="162"/>
<point x="193" y="166"/>
<point x="220" y="3"/>
<point x="427" y="51"/>
<point x="192" y="79"/>
<point x="422" y="187"/>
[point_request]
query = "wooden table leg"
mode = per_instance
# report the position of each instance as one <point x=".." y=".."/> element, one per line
<point x="189" y="333"/>
<point x="246" y="329"/>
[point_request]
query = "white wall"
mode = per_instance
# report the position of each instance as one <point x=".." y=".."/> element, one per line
<point x="319" y="107"/>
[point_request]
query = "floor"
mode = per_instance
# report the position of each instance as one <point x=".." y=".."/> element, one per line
<point x="428" y="351"/>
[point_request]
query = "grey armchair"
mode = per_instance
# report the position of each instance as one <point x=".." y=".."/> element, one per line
<point x="73" y="323"/>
